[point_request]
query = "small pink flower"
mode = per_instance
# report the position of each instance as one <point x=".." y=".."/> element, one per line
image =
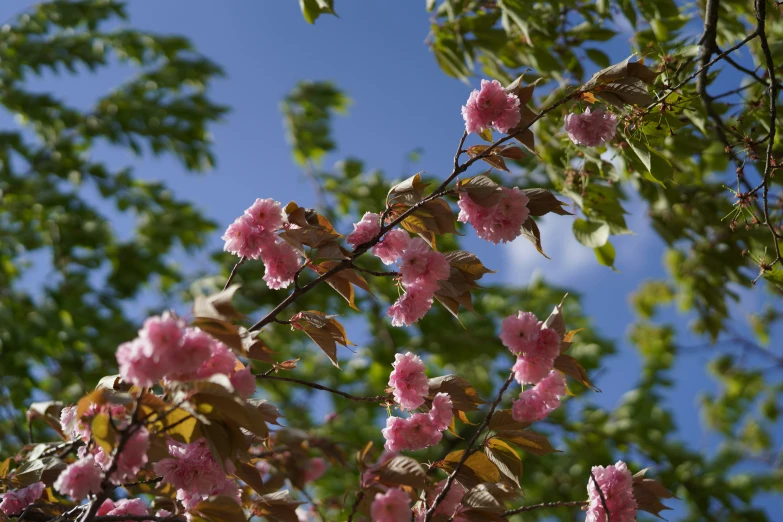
<point x="392" y="506"/>
<point x="131" y="460"/>
<point x="69" y="422"/>
<point x="519" y="333"/>
<point x="414" y="433"/>
<point x="16" y="500"/>
<point x="500" y="223"/>
<point x="281" y="262"/>
<point x="107" y="506"/>
<point x="244" y="239"/>
<point x="491" y="106"/>
<point x="548" y="346"/>
<point x="451" y="502"/>
<point x="408" y="381"/>
<point x="541" y="400"/>
<point x="364" y="230"/>
<point x="266" y="215"/>
<point x="221" y="360"/>
<point x="243" y="382"/>
<point x="126" y="506"/>
<point x="411" y="307"/>
<point x="616" y="483"/>
<point x="315" y="468"/>
<point x="391" y="247"/>
<point x="441" y="413"/>
<point x="591" y="128"/>
<point x="195" y="473"/>
<point x="80" y="479"/>
<point x="530" y="407"/>
<point x="163" y="513"/>
<point x="530" y="371"/>
<point x="423" y="266"/>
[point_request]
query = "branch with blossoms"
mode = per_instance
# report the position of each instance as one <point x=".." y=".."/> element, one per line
<point x="179" y="422"/>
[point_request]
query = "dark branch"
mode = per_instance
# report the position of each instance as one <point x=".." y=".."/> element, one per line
<point x="466" y="453"/>
<point x="316" y="386"/>
<point x="603" y="498"/>
<point x="573" y="503"/>
<point x="234" y="272"/>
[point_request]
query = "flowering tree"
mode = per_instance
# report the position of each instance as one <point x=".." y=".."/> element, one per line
<point x="177" y="433"/>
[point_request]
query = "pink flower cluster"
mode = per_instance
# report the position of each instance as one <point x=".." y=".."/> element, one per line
<point x="80" y="428"/>
<point x="502" y="222"/>
<point x="491" y="106"/>
<point x="131" y="460"/>
<point x="450" y="506"/>
<point x="390" y="248"/>
<point x="535" y="346"/>
<point x="252" y="235"/>
<point x="421" y="269"/>
<point x="165" y="349"/>
<point x="195" y="473"/>
<point x="616" y="483"/>
<point x="410" y="387"/>
<point x="591" y="128"/>
<point x="365" y="230"/>
<point x="126" y="506"/>
<point x="80" y="478"/>
<point x="16" y="500"/>
<point x="408" y="381"/>
<point x="539" y="401"/>
<point x="392" y="506"/>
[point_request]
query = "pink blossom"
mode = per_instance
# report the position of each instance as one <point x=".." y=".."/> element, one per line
<point x="519" y="333"/>
<point x="491" y="106"/>
<point x="554" y="384"/>
<point x="539" y="401"/>
<point x="616" y="483"/>
<point x="16" y="500"/>
<point x="450" y="504"/>
<point x="107" y="506"/>
<point x="131" y="460"/>
<point x="266" y="215"/>
<point x="80" y="479"/>
<point x="69" y="423"/>
<point x="408" y="381"/>
<point x="244" y="239"/>
<point x="530" y="407"/>
<point x="392" y="506"/>
<point x="126" y="506"/>
<point x="391" y="247"/>
<point x="195" y="473"/>
<point x="423" y="266"/>
<point x="411" y="307"/>
<point x="364" y="230"/>
<point x="591" y="128"/>
<point x="441" y="413"/>
<point x="414" y="433"/>
<point x="315" y="468"/>
<point x="548" y="346"/>
<point x="135" y="366"/>
<point x="163" y="513"/>
<point x="221" y="360"/>
<point x="530" y="371"/>
<point x="281" y="262"/>
<point x="499" y="223"/>
<point x="243" y="382"/>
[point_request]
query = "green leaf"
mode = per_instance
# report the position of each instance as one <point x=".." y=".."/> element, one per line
<point x="505" y="458"/>
<point x="312" y="9"/>
<point x="658" y="167"/>
<point x="592" y="234"/>
<point x="605" y="255"/>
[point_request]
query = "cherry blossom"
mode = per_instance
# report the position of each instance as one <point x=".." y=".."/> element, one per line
<point x="392" y="506"/>
<point x="591" y="128"/>
<point x="408" y="381"/>
<point x="491" y="106"/>
<point x="80" y="479"/>
<point x="16" y="500"/>
<point x="365" y="230"/>
<point x="616" y="483"/>
<point x="499" y="223"/>
<point x="441" y="413"/>
<point x="390" y="248"/>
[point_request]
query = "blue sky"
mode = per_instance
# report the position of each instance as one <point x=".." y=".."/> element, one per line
<point x="402" y="101"/>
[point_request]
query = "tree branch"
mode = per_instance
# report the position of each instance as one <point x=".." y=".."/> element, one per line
<point x="234" y="271"/>
<point x="450" y="480"/>
<point x="603" y="498"/>
<point x="314" y="385"/>
<point x="573" y="503"/>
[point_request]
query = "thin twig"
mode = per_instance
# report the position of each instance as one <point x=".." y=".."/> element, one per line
<point x="314" y="385"/>
<point x="543" y="505"/>
<point x="603" y="498"/>
<point x="375" y="273"/>
<point x="761" y="12"/>
<point x="234" y="271"/>
<point x="355" y="506"/>
<point x="450" y="480"/>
